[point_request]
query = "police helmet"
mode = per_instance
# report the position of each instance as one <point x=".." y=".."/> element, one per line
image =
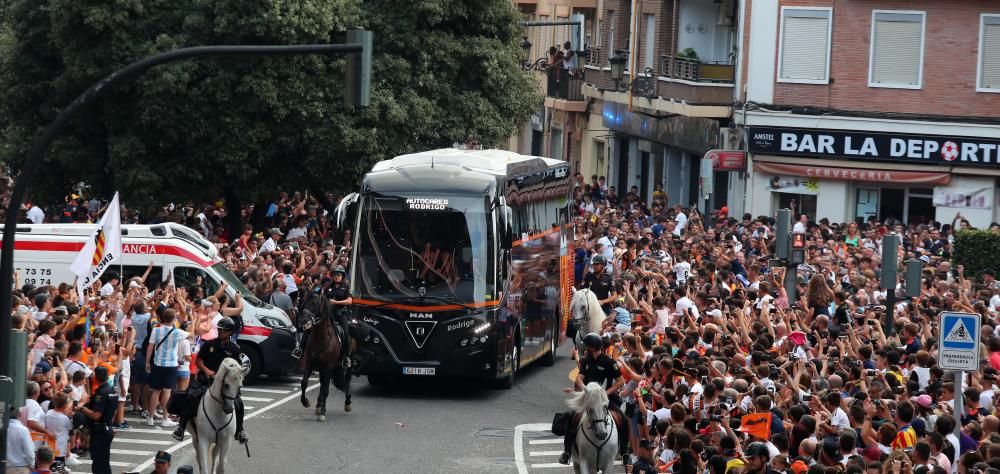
<point x="593" y="341"/>
<point x="227" y="324"/>
<point x="599" y="259"/>
<point x="757" y="449"/>
<point x="339" y="269"/>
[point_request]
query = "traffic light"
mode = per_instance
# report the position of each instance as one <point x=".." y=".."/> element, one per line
<point x="798" y="240"/>
<point x="357" y="88"/>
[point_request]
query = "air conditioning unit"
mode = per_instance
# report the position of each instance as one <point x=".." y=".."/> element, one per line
<point x="725" y="15"/>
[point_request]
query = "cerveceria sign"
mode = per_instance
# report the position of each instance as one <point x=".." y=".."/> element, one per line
<point x="871" y="146"/>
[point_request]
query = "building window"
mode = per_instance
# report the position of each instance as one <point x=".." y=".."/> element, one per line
<point x="600" y="166"/>
<point x="804" y="49"/>
<point x="897" y="49"/>
<point x="650" y="37"/>
<point x="989" y="54"/>
<point x="556" y="143"/>
<point x="611" y="32"/>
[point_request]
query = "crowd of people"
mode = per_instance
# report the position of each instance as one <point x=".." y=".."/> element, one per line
<point x="717" y="369"/>
<point x="135" y="339"/>
<point x="700" y="331"/>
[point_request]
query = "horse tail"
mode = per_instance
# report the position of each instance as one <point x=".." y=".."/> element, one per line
<point x="592" y="395"/>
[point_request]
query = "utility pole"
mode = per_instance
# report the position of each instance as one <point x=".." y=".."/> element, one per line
<point x="12" y="356"/>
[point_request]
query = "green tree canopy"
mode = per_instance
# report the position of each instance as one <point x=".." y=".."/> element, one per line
<point x="444" y="71"/>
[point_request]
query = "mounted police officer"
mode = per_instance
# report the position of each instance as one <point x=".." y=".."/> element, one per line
<point x="338" y="291"/>
<point x="596" y="366"/>
<point x="100" y="412"/>
<point x="601" y="283"/>
<point x="210" y="358"/>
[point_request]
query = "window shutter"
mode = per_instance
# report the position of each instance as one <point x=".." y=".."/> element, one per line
<point x="897" y="49"/>
<point x="805" y="45"/>
<point x="990" y="74"/>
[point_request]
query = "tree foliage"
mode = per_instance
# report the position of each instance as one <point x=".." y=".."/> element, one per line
<point x="443" y="71"/>
<point x="978" y="251"/>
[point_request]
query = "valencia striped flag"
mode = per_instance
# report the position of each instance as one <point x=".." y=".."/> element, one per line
<point x="101" y="250"/>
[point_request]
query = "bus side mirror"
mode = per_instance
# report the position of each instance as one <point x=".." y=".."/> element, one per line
<point x="345" y="210"/>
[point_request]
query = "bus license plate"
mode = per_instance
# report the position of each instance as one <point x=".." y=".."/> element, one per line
<point x="418" y="370"/>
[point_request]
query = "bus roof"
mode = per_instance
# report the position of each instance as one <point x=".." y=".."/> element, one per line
<point x="496" y="162"/>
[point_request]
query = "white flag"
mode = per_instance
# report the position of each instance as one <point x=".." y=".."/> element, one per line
<point x="100" y="250"/>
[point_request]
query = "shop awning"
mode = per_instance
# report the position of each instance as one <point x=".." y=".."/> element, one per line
<point x="853" y="174"/>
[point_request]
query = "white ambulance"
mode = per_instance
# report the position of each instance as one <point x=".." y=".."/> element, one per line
<point x="43" y="254"/>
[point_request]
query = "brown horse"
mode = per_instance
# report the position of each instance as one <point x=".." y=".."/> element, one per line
<point x="322" y="352"/>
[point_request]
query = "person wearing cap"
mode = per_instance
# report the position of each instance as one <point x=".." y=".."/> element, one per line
<point x="644" y="463"/>
<point x="210" y="357"/>
<point x="271" y="244"/>
<point x="162" y="463"/>
<point x="758" y="459"/>
<point x="601" y="283"/>
<point x="100" y="413"/>
<point x="598" y="367"/>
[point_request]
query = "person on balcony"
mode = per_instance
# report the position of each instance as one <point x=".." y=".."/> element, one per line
<point x="570" y="59"/>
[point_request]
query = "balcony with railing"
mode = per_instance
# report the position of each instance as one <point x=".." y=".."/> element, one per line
<point x="565" y="84"/>
<point x="696" y="70"/>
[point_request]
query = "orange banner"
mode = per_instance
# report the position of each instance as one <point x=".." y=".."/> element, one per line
<point x="757" y="424"/>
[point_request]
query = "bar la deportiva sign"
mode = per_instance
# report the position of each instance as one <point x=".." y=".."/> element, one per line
<point x="874" y="146"/>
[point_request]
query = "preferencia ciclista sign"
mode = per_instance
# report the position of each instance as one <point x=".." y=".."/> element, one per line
<point x="873" y="146"/>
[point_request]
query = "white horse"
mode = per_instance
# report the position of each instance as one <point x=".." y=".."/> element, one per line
<point x="596" y="435"/>
<point x="586" y="312"/>
<point x="214" y="426"/>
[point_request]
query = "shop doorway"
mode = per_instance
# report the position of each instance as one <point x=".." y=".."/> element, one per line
<point x="908" y="205"/>
<point x="798" y="203"/>
<point x="920" y="206"/>
<point x="893" y="204"/>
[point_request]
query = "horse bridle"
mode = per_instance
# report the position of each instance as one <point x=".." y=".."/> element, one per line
<point x="222" y="393"/>
<point x="586" y="318"/>
<point x="605" y="420"/>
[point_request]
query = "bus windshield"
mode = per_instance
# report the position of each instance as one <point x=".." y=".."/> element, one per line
<point x="425" y="247"/>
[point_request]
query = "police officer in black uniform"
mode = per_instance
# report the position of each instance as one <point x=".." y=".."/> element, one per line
<point x="601" y="283"/>
<point x="598" y="367"/>
<point x="644" y="463"/>
<point x="210" y="357"/>
<point x="100" y="412"/>
<point x="339" y="293"/>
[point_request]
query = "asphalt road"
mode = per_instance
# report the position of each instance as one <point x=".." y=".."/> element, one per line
<point x="447" y="426"/>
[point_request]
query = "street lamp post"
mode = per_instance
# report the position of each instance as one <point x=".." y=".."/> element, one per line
<point x="358" y="80"/>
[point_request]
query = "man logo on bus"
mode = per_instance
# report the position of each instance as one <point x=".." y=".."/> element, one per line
<point x="421" y="291"/>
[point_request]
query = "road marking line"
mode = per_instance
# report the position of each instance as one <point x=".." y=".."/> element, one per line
<point x="546" y="441"/>
<point x="256" y="399"/>
<point x="113" y="463"/>
<point x="263" y="390"/>
<point x="248" y="408"/>
<point x="143" y="441"/>
<point x="131" y="453"/>
<point x="544" y="453"/>
<point x="187" y="439"/>
<point x="519" y="430"/>
<point x="140" y="430"/>
<point x="549" y="465"/>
